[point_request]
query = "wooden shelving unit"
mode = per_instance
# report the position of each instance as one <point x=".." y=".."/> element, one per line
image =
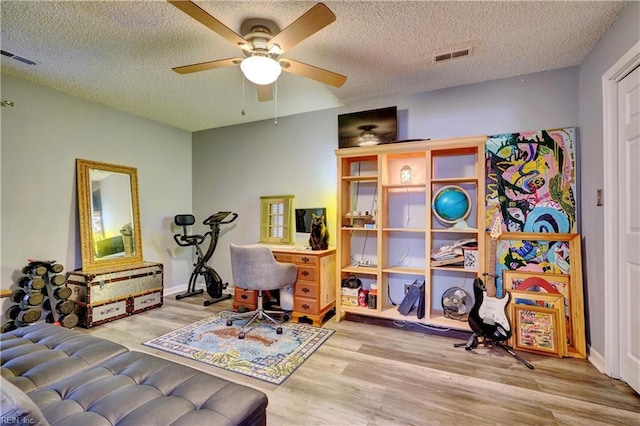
<point x="395" y="250"/>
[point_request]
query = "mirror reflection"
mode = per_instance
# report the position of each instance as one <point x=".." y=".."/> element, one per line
<point x="109" y="220"/>
<point x="111" y="214"/>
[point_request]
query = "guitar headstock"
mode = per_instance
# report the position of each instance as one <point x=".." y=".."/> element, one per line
<point x="496" y="227"/>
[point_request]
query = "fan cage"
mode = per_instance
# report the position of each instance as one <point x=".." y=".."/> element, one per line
<point x="453" y="299"/>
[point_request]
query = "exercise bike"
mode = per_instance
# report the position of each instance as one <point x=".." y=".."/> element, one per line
<point x="212" y="280"/>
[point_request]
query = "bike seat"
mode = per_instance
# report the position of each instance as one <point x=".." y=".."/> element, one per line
<point x="184" y="219"/>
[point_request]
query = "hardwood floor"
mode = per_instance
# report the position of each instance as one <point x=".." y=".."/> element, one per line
<point x="372" y="375"/>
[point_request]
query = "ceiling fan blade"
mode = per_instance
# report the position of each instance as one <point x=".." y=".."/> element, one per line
<point x="197" y="13"/>
<point x="313" y="20"/>
<point x="314" y="73"/>
<point x="265" y="92"/>
<point x="203" y="66"/>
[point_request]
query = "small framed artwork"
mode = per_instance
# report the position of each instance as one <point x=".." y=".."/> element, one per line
<point x="536" y="329"/>
<point x="546" y="300"/>
<point x="558" y="284"/>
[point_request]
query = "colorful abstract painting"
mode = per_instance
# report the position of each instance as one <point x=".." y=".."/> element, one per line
<point x="531" y="181"/>
<point x="552" y="257"/>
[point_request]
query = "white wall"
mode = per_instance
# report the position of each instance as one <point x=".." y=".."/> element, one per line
<point x="613" y="45"/>
<point x="42" y="135"/>
<point x="233" y="166"/>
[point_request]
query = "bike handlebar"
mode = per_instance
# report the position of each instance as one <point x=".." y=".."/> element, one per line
<point x="217" y="218"/>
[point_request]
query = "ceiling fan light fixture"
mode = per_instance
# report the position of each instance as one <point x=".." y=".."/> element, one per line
<point x="261" y="70"/>
<point x="368" y="137"/>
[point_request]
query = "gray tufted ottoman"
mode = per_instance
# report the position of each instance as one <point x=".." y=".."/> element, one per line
<point x="73" y="379"/>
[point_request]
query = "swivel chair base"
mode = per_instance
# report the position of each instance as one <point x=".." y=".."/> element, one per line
<point x="259" y="315"/>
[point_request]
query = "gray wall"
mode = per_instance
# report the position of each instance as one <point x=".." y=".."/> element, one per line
<point x="42" y="135"/>
<point x="615" y="43"/>
<point x="233" y="166"/>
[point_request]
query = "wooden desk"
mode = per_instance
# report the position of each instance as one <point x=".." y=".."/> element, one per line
<point x="314" y="290"/>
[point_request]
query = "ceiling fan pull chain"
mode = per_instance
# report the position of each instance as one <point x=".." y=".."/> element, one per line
<point x="276" y="103"/>
<point x="242" y="112"/>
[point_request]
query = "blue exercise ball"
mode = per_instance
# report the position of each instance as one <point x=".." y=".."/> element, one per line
<point x="451" y="204"/>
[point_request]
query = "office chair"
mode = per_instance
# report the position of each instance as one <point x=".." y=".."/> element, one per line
<point x="253" y="267"/>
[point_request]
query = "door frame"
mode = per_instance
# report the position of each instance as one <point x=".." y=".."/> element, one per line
<point x="610" y="80"/>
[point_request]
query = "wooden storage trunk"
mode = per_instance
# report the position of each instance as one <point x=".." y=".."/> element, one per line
<point x="111" y="294"/>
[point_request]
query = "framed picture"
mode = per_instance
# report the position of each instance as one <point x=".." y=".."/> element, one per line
<point x="550" y="261"/>
<point x="546" y="300"/>
<point x="536" y="329"/>
<point x="551" y="284"/>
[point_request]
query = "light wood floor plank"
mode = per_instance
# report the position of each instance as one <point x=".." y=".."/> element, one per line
<point x="378" y="376"/>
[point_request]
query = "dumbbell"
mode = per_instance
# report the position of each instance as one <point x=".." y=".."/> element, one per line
<point x="67" y="321"/>
<point x="31" y="283"/>
<point x="25" y="299"/>
<point x="61" y="306"/>
<point x="25" y="316"/>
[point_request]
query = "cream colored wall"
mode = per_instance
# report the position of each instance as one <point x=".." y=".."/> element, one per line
<point x="42" y="135"/>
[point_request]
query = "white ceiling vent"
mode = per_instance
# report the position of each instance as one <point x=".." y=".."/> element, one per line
<point x="452" y="55"/>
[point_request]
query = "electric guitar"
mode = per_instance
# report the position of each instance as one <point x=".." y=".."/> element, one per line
<point x="488" y="317"/>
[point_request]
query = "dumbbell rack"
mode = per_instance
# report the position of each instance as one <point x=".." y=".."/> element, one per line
<point x="41" y="288"/>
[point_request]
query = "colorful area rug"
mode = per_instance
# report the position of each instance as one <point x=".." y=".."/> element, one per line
<point x="262" y="354"/>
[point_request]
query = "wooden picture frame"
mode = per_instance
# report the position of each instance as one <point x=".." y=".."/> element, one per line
<point x="540" y="266"/>
<point x="108" y="190"/>
<point x="536" y="330"/>
<point x="546" y="300"/>
<point x="558" y="284"/>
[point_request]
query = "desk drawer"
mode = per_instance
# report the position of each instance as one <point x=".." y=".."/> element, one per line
<point x="304" y="305"/>
<point x="306" y="289"/>
<point x="283" y="257"/>
<point x="245" y="297"/>
<point x="306" y="259"/>
<point x="307" y="273"/>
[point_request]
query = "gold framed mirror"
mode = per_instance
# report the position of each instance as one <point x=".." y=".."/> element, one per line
<point x="109" y="215"/>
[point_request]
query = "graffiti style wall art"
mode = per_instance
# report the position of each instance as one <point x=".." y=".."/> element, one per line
<point x="531" y="181"/>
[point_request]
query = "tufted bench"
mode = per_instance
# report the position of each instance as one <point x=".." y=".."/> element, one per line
<point x="75" y="379"/>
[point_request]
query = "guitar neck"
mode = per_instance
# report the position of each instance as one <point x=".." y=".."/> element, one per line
<point x="490" y="282"/>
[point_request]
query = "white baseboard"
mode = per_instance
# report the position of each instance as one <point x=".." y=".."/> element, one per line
<point x="168" y="291"/>
<point x="596" y="359"/>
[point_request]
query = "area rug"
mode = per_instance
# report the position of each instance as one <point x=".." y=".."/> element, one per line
<point x="262" y="354"/>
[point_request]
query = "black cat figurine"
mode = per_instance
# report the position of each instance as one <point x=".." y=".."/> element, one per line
<point x="319" y="239"/>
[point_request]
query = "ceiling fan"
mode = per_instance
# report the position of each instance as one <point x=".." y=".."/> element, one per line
<point x="262" y="64"/>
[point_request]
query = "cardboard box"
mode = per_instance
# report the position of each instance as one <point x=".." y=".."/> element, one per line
<point x="349" y="300"/>
<point x="353" y="292"/>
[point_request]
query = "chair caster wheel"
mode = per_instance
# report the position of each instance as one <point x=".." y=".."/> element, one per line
<point x="279" y="330"/>
<point x="229" y="323"/>
<point x="285" y="317"/>
<point x="241" y="335"/>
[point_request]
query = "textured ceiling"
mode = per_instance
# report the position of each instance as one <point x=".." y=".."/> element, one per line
<point x="120" y="53"/>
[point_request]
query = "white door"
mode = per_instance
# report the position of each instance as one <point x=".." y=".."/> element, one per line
<point x="629" y="227"/>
